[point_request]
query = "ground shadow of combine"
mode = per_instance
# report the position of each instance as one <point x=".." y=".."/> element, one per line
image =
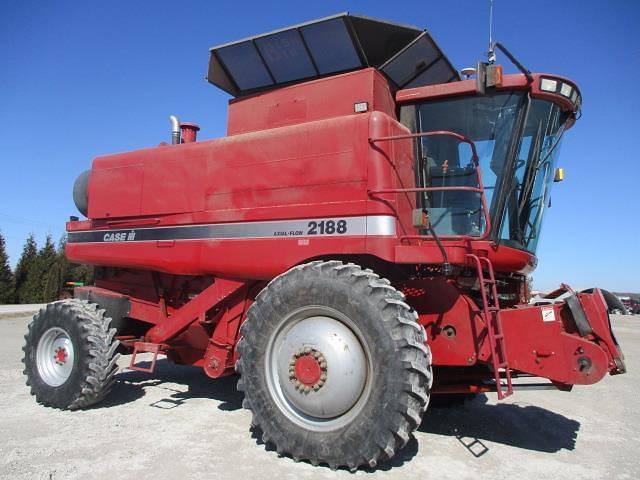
<point x="517" y="425"/>
<point x="130" y="386"/>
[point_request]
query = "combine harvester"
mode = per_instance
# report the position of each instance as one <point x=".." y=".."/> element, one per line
<point x="358" y="242"/>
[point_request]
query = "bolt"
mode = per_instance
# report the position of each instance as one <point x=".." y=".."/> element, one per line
<point x="307" y="389"/>
<point x="323" y="365"/>
<point x="307" y="349"/>
<point x="317" y="354"/>
<point x="323" y="377"/>
<point x="317" y="386"/>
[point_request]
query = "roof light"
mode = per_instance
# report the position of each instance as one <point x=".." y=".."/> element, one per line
<point x="566" y="90"/>
<point x="548" y="85"/>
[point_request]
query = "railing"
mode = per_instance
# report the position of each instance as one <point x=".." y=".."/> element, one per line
<point x="479" y="189"/>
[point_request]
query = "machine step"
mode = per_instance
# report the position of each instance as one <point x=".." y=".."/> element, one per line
<point x="146" y="347"/>
<point x="490" y="315"/>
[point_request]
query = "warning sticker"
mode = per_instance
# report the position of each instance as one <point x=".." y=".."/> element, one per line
<point x="548" y="314"/>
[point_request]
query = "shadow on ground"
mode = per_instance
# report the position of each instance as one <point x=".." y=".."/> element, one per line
<point x="521" y="426"/>
<point x="472" y="423"/>
<point x="130" y="386"/>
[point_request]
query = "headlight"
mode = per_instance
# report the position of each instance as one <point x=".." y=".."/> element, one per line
<point x="548" y="85"/>
<point x="566" y="90"/>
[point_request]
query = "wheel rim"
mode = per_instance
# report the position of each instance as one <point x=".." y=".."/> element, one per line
<point x="55" y="356"/>
<point x="318" y="368"/>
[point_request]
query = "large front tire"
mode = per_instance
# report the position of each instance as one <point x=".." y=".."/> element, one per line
<point x="333" y="365"/>
<point x="69" y="355"/>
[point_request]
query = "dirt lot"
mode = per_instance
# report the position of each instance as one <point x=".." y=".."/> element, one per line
<point x="180" y="424"/>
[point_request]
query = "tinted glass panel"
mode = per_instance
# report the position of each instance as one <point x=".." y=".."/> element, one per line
<point x="286" y="56"/>
<point x="331" y="46"/>
<point x="245" y="66"/>
<point x="517" y="161"/>
<point x="439" y="72"/>
<point x="533" y="175"/>
<point x="413" y="60"/>
<point x="489" y="122"/>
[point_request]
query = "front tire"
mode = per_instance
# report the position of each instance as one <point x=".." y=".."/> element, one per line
<point x="333" y="365"/>
<point x="69" y="355"/>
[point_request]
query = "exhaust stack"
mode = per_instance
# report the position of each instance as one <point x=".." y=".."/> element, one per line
<point x="175" y="130"/>
<point x="183" y="132"/>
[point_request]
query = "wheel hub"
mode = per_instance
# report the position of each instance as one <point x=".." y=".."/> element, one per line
<point x="318" y="368"/>
<point x="60" y="355"/>
<point x="55" y="356"/>
<point x="308" y="370"/>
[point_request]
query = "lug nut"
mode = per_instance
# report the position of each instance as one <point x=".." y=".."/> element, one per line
<point x="323" y="377"/>
<point x="323" y="365"/>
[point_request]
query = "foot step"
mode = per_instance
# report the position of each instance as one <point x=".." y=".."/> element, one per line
<point x="144" y="347"/>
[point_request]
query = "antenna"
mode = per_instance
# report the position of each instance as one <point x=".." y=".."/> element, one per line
<point x="491" y="54"/>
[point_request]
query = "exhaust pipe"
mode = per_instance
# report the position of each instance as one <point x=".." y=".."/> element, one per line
<point x="175" y="130"/>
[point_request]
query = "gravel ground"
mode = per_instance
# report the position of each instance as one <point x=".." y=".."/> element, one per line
<point x="180" y="424"/>
<point x="22" y="310"/>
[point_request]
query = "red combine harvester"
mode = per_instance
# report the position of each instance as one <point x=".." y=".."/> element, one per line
<point x="358" y="242"/>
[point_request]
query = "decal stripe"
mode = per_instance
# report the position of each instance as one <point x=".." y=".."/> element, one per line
<point x="378" y="225"/>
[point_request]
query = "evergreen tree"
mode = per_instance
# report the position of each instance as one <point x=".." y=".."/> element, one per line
<point x="63" y="271"/>
<point x="25" y="265"/>
<point x="7" y="283"/>
<point x="42" y="279"/>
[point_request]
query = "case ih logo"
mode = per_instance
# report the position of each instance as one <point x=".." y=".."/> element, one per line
<point x="119" y="237"/>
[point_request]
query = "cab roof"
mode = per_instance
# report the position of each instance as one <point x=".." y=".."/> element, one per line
<point x="408" y="56"/>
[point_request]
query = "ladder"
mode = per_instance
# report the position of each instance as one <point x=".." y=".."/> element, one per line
<point x="490" y="314"/>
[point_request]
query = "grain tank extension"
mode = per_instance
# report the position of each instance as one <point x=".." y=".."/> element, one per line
<point x="358" y="242"/>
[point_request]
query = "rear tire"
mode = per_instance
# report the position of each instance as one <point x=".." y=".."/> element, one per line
<point x="69" y="355"/>
<point x="369" y="386"/>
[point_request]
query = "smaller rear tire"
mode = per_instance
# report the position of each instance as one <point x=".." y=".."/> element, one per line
<point x="69" y="355"/>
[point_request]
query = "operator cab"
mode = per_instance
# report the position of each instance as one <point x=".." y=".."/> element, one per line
<point x="516" y="122"/>
<point x="517" y="129"/>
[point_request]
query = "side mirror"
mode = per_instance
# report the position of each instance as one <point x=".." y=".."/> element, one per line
<point x="559" y="175"/>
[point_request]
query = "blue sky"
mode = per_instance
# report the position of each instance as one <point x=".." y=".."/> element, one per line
<point x="81" y="79"/>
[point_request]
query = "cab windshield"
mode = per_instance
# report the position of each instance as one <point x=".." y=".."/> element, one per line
<point x="517" y="140"/>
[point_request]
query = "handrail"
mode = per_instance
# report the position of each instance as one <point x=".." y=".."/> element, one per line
<point x="434" y="133"/>
<point x="479" y="189"/>
<point x="426" y="189"/>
